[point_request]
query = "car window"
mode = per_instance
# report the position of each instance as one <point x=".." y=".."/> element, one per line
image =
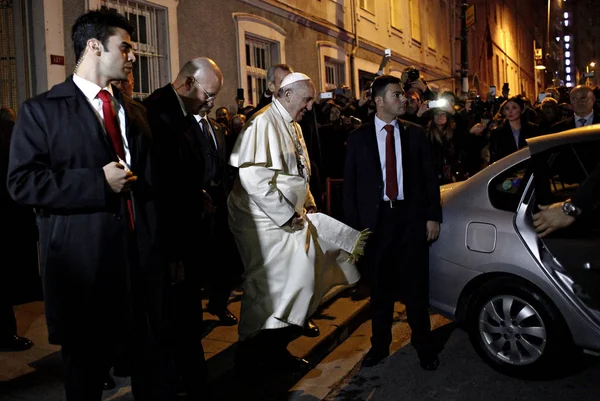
<point x="505" y="190"/>
<point x="561" y="170"/>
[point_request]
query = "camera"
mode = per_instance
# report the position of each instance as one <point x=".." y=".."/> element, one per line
<point x="326" y="95"/>
<point x="480" y="107"/>
<point x="413" y="74"/>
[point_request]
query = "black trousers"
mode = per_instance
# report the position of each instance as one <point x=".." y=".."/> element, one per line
<point x="222" y="270"/>
<point x="398" y="260"/>
<point x="86" y="366"/>
<point x="8" y="322"/>
<point x="108" y="334"/>
<point x="173" y="351"/>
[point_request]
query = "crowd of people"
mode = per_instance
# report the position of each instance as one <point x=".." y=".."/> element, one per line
<point x="133" y="199"/>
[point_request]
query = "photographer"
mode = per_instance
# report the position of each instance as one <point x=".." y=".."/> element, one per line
<point x="365" y="110"/>
<point x="415" y="108"/>
<point x="447" y="144"/>
<point x="411" y="80"/>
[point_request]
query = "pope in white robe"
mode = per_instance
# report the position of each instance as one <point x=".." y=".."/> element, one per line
<point x="288" y="269"/>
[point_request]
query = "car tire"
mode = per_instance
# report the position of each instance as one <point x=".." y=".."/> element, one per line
<point x="529" y="343"/>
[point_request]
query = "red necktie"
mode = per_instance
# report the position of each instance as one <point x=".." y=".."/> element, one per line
<point x="391" y="177"/>
<point x="111" y="124"/>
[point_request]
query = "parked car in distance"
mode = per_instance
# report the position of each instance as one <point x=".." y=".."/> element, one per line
<point x="525" y="301"/>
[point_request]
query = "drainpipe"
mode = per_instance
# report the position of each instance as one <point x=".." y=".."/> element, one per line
<point x="453" y="45"/>
<point x="354" y="48"/>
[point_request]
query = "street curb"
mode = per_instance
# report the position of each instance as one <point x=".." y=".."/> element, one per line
<point x="339" y="335"/>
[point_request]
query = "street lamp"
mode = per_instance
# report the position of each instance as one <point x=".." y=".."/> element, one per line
<point x="539" y="59"/>
<point x="590" y="74"/>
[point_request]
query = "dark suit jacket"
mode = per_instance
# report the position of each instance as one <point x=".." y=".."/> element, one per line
<point x="587" y="196"/>
<point x="220" y="157"/>
<point x="363" y="178"/>
<point x="58" y="149"/>
<point x="180" y="167"/>
<point x="19" y="273"/>
<point x="502" y="142"/>
<point x="569" y="123"/>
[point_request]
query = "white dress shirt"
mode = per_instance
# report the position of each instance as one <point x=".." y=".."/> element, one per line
<point x="212" y="134"/>
<point x="381" y="134"/>
<point x="589" y="119"/>
<point x="91" y="90"/>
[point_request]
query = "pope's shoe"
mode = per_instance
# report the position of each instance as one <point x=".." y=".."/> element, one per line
<point x="310" y="329"/>
<point x="15" y="343"/>
<point x="226" y="318"/>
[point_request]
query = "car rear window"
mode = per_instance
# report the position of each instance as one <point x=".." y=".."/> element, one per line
<point x="506" y="189"/>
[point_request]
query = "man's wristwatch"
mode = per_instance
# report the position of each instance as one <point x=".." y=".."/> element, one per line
<point x="570" y="209"/>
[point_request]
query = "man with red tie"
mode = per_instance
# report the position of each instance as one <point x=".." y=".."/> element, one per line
<point x="391" y="188"/>
<point x="80" y="156"/>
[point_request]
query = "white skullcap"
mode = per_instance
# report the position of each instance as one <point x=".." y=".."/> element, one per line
<point x="294" y="77"/>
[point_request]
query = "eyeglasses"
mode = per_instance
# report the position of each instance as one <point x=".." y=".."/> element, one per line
<point x="209" y="97"/>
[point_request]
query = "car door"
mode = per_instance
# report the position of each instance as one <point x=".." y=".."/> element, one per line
<point x="559" y="172"/>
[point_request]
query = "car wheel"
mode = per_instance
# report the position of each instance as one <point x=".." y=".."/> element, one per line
<point x="516" y="330"/>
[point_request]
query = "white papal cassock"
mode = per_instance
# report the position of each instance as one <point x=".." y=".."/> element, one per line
<point x="287" y="272"/>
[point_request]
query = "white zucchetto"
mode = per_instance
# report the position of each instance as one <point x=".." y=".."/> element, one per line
<point x="294" y="77"/>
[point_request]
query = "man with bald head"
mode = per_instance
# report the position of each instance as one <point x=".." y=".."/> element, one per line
<point x="267" y="209"/>
<point x="582" y="102"/>
<point x="181" y="166"/>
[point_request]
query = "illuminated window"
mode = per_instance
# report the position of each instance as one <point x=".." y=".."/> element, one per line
<point x="396" y="14"/>
<point x="567" y="38"/>
<point x="261" y="43"/>
<point x="566" y="15"/>
<point x="258" y="60"/>
<point x="415" y="20"/>
<point x="334" y="64"/>
<point x="8" y="61"/>
<point x="334" y="73"/>
<point x="566" y="22"/>
<point x="558" y="38"/>
<point x="432" y="11"/>
<point x="568" y="70"/>
<point x="567" y="62"/>
<point x="149" y="37"/>
<point x="567" y="46"/>
<point x="567" y="54"/>
<point x="568" y="78"/>
<point x="368" y="5"/>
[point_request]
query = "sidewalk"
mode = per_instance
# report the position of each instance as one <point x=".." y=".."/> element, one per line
<point x="36" y="374"/>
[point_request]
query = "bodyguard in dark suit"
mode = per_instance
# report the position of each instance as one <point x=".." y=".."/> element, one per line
<point x="582" y="102"/>
<point x="181" y="164"/>
<point x="80" y="156"/>
<point x="19" y="276"/>
<point x="391" y="188"/>
<point x="224" y="268"/>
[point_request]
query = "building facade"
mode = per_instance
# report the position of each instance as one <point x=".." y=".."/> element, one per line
<point x="336" y="42"/>
<point x="586" y="40"/>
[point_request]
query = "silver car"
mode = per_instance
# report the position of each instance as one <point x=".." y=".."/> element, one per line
<point x="517" y="295"/>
